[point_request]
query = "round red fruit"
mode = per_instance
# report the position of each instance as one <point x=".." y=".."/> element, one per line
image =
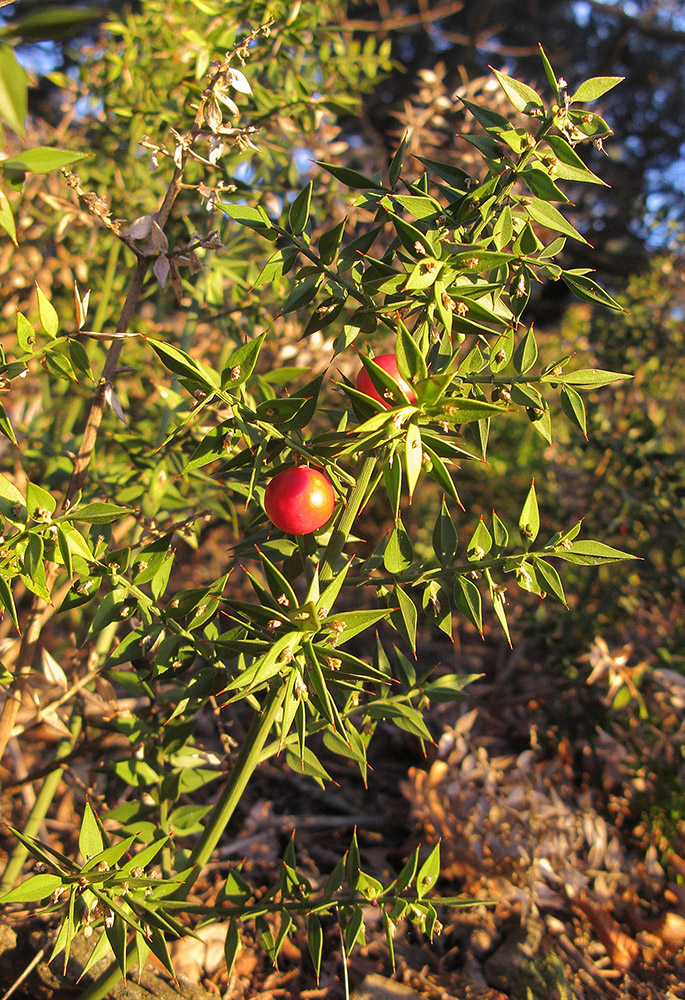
<point x="388" y="362"/>
<point x="299" y="500"/>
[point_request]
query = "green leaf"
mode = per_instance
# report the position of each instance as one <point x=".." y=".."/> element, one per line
<point x="591" y="89"/>
<point x="329" y="242"/>
<point x="33" y="558"/>
<point x="459" y="410"/>
<point x="406" y="618"/>
<point x="421" y="207"/>
<point x="428" y="872"/>
<point x="110" y="609"/>
<point x="392" y="478"/>
<point x="468" y="600"/>
<point x="43" y="159"/>
<point x="47" y="314"/>
<point x="439" y="473"/>
<point x="245" y="215"/>
<point x="410" y="361"/>
<point x="6" y="424"/>
<point x="449" y="687"/>
<point x="7" y="218"/>
<point x="231" y="945"/>
<point x="97" y="512"/>
<point x="276" y="266"/>
<point x="51" y="24"/>
<point x="445" y="536"/>
<point x="7" y="601"/>
<point x="100" y="951"/>
<point x="492" y="121"/>
<point x="436" y="604"/>
<point x="298" y="215"/>
<point x="399" y="552"/>
<point x="180" y="363"/>
<point x="37" y="497"/>
<point x="447" y="171"/>
<point x="589" y="291"/>
<point x="301" y="293"/>
<point x="404" y="717"/>
<point x="501" y="351"/>
<point x="542" y="185"/>
<point x="413" y="457"/>
<point x="397" y="161"/>
<point x="547" y="215"/>
<point x="412" y="239"/>
<point x="65" y="551"/>
<point x="503" y="229"/>
<point x="90" y="840"/>
<point x="26" y="335"/>
<point x="590" y="553"/>
<point x="13" y="91"/>
<point x="586" y="378"/>
<point x="500" y="533"/>
<point x="351" y="178"/>
<point x="574" y="408"/>
<point x="574" y="168"/>
<point x="498" y="604"/>
<point x="526" y="353"/>
<point x="523" y="98"/>
<point x="12" y="504"/>
<point x="529" y="521"/>
<point x="34" y="888"/>
<point x="550" y="578"/>
<point x="549" y="72"/>
<point x="241" y="363"/>
<point x="480" y="544"/>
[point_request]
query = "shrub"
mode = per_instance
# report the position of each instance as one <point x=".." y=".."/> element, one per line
<point x="438" y="270"/>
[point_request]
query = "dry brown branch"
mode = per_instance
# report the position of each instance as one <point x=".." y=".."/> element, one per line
<point x="402" y="21"/>
<point x="646" y="24"/>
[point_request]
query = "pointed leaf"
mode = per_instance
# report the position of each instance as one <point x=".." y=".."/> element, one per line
<point x="590" y="553"/>
<point x="468" y="600"/>
<point x="523" y="98"/>
<point x="573" y="406"/>
<point x="298" y="215"/>
<point x="529" y="521"/>
<point x="547" y="215"/>
<point x="591" y="89"/>
<point x="413" y="457"/>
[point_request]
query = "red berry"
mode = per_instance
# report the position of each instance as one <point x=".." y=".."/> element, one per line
<point x="389" y="363"/>
<point x="299" y="500"/>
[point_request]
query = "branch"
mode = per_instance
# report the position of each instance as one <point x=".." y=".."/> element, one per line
<point x="646" y="23"/>
<point x="404" y="20"/>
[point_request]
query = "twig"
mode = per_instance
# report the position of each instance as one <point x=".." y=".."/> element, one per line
<point x="646" y="23"/>
<point x="54" y="705"/>
<point x="39" y="955"/>
<point x="27" y="649"/>
<point x="403" y="21"/>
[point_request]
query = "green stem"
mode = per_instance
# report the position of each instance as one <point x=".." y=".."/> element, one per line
<point x="107" y="286"/>
<point x="344" y="526"/>
<point x="423" y="576"/>
<point x="509" y="176"/>
<point x="243" y="768"/>
<point x="40" y="807"/>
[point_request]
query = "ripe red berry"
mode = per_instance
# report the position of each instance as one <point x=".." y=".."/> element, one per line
<point x="389" y="363"/>
<point x="299" y="500"/>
